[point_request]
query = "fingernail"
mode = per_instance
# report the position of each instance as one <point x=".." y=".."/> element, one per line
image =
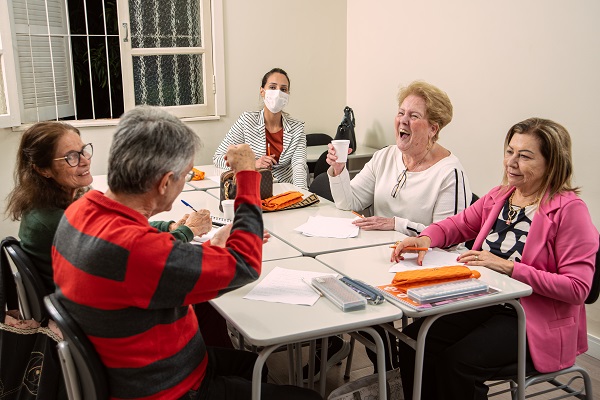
<point x="457" y="258"/>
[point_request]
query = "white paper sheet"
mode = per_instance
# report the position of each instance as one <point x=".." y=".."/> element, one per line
<point x="284" y="285"/>
<point x="330" y="227"/>
<point x="214" y="178"/>
<point x="433" y="258"/>
<point x="209" y="235"/>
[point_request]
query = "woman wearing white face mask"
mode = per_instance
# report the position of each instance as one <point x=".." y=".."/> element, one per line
<point x="277" y="140"/>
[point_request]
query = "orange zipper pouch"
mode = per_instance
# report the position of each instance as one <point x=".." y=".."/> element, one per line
<point x="281" y="201"/>
<point x="430" y="276"/>
<point x="198" y="175"/>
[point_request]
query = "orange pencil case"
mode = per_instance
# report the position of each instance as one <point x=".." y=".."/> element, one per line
<point x="198" y="175"/>
<point x="281" y="201"/>
<point x="430" y="276"/>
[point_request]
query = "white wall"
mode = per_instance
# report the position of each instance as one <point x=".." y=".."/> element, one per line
<point x="259" y="35"/>
<point x="499" y="62"/>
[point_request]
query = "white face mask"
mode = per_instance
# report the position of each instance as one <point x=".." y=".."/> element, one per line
<point x="275" y="100"/>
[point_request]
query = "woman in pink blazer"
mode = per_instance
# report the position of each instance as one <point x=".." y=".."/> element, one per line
<point x="535" y="229"/>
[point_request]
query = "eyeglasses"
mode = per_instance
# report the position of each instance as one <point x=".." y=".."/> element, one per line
<point x="399" y="184"/>
<point x="189" y="176"/>
<point x="74" y="157"/>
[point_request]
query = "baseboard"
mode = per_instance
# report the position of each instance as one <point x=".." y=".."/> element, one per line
<point x="593" y="347"/>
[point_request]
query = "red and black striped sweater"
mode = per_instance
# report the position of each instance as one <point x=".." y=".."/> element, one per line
<point x="131" y="288"/>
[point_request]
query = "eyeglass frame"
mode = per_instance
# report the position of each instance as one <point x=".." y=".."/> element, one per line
<point x="189" y="176"/>
<point x="401" y="181"/>
<point x="79" y="154"/>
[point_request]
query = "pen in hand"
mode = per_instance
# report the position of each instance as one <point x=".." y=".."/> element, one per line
<point x="357" y="214"/>
<point x="411" y="248"/>
<point x="185" y="203"/>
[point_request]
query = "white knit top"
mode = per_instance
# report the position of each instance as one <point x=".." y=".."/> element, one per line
<point x="428" y="196"/>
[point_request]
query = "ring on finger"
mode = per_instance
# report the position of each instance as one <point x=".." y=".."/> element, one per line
<point x="476" y="257"/>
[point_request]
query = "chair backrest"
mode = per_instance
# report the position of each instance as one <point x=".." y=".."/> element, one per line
<point x="469" y="244"/>
<point x="320" y="186"/>
<point x="93" y="383"/>
<point x="595" y="290"/>
<point x="317" y="139"/>
<point x="321" y="165"/>
<point x="30" y="288"/>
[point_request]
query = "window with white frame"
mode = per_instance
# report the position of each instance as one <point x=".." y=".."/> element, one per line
<point x="93" y="60"/>
<point x="9" y="106"/>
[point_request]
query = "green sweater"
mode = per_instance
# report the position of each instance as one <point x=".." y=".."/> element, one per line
<point x="37" y="229"/>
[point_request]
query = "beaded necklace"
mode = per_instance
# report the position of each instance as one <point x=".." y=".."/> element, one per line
<point x="514" y="210"/>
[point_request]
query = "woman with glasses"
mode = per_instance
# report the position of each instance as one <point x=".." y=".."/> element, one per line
<point x="414" y="182"/>
<point x="52" y="171"/>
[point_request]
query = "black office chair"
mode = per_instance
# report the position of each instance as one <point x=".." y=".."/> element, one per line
<point x="469" y="244"/>
<point x="84" y="373"/>
<point x="320" y="186"/>
<point x="30" y="288"/>
<point x="316" y="139"/>
<point x="576" y="372"/>
<point x="321" y="165"/>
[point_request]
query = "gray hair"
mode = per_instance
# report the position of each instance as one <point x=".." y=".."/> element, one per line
<point x="148" y="143"/>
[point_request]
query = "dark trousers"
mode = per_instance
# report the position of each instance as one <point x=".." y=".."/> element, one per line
<point x="229" y="376"/>
<point x="212" y="326"/>
<point x="462" y="351"/>
<point x="390" y="363"/>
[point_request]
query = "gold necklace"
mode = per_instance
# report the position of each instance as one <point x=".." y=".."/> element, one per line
<point x="417" y="164"/>
<point x="514" y="210"/>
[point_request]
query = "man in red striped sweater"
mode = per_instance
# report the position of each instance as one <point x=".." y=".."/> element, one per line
<point x="131" y="288"/>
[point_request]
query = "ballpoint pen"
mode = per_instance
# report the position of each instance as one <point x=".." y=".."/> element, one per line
<point x="411" y="248"/>
<point x="188" y="205"/>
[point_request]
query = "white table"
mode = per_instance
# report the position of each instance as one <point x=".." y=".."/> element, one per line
<point x="274" y="324"/>
<point x="209" y="171"/>
<point x="371" y="266"/>
<point x="282" y="224"/>
<point x="100" y="182"/>
<point x="274" y="249"/>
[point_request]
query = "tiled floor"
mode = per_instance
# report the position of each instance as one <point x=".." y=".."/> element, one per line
<point x="361" y="366"/>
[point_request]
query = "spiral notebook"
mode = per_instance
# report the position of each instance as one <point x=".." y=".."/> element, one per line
<point x="393" y="294"/>
<point x="220" y="221"/>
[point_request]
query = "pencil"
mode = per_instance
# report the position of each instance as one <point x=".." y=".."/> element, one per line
<point x="410" y="248"/>
<point x="357" y="214"/>
<point x="269" y="149"/>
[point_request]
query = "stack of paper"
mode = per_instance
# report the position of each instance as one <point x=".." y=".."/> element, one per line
<point x="284" y="285"/>
<point x="329" y="227"/>
<point x="433" y="258"/>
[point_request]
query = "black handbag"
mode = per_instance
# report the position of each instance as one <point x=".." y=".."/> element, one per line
<point x="29" y="365"/>
<point x="346" y="129"/>
<point x="228" y="187"/>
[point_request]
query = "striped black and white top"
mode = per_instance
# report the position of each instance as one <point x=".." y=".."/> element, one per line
<point x="250" y="128"/>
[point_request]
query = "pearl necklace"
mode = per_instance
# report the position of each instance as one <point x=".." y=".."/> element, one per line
<point x="514" y="210"/>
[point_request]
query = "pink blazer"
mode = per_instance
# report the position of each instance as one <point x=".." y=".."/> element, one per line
<point x="558" y="263"/>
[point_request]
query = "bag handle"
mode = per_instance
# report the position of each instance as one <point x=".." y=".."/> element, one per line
<point x="349" y="114"/>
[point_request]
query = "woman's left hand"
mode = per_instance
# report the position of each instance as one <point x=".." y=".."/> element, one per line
<point x="486" y="259"/>
<point x="265" y="162"/>
<point x="375" y="223"/>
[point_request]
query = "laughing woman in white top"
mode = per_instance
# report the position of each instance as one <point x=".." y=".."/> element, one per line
<point x="277" y="140"/>
<point x="414" y="182"/>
